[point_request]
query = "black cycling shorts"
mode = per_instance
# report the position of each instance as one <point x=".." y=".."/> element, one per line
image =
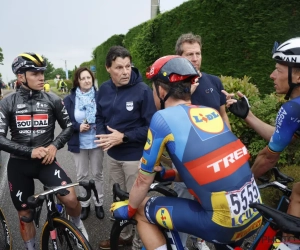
<point x="21" y="174"/>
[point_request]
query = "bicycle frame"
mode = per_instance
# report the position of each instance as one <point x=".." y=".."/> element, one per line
<point x="36" y="201"/>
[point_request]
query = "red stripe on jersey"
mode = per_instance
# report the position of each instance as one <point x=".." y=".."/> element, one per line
<point x="40" y="117"/>
<point x="23" y="117"/>
<point x="219" y="163"/>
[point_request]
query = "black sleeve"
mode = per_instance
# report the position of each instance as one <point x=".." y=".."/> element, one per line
<point x="6" y="144"/>
<point x="63" y="120"/>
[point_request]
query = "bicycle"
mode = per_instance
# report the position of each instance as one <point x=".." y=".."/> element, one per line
<point x="5" y="236"/>
<point x="266" y="236"/>
<point x="58" y="232"/>
<point x="172" y="237"/>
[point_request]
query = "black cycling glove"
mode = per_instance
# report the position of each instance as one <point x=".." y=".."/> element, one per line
<point x="240" y="108"/>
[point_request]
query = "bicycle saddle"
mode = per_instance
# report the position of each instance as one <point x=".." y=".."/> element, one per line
<point x="285" y="222"/>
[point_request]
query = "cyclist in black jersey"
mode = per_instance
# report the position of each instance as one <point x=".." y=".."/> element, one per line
<point x="31" y="114"/>
<point x="286" y="78"/>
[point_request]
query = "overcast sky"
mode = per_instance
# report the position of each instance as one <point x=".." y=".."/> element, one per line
<point x="66" y="29"/>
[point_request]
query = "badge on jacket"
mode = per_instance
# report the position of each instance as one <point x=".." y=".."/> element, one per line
<point x="129" y="106"/>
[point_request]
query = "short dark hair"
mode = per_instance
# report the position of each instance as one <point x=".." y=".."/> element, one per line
<point x="114" y="52"/>
<point x="77" y="76"/>
<point x="186" y="38"/>
<point x="180" y="90"/>
<point x="296" y="70"/>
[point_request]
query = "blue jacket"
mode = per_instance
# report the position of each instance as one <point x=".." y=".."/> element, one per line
<point x="69" y="101"/>
<point x="129" y="110"/>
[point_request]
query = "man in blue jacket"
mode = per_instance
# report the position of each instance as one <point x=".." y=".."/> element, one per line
<point x="125" y="107"/>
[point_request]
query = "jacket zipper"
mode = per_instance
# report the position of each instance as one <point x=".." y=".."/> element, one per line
<point x="31" y="136"/>
<point x="114" y="107"/>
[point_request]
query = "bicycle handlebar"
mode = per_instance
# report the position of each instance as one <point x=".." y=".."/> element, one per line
<point x="279" y="176"/>
<point x="161" y="187"/>
<point x="37" y="200"/>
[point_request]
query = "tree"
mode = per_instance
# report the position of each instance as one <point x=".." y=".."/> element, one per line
<point x="58" y="71"/>
<point x="1" y="57"/>
<point x="49" y="70"/>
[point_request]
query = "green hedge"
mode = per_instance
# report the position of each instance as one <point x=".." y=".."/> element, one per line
<point x="238" y="36"/>
<point x="99" y="55"/>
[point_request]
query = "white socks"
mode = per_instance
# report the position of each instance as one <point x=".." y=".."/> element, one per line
<point x="30" y="244"/>
<point x="163" y="247"/>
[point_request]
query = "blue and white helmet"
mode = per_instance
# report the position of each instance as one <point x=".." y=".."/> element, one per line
<point x="288" y="53"/>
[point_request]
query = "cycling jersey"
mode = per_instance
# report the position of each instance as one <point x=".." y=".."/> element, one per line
<point x="213" y="163"/>
<point x="287" y="124"/>
<point x="31" y="116"/>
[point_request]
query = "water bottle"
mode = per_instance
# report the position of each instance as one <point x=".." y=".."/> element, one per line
<point x="59" y="208"/>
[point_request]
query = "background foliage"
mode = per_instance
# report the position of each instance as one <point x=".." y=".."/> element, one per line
<point x="238" y="36"/>
<point x="99" y="55"/>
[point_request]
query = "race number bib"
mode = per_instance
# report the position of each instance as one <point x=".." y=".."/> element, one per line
<point x="239" y="200"/>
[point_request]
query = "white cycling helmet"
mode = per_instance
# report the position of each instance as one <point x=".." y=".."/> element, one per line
<point x="288" y="53"/>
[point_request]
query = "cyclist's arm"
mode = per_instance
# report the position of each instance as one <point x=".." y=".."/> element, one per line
<point x="285" y="128"/>
<point x="5" y="144"/>
<point x="265" y="160"/>
<point x="63" y="120"/>
<point x="140" y="188"/>
<point x="263" y="129"/>
<point x="75" y="124"/>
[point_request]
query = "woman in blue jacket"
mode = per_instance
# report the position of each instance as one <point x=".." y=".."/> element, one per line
<point x="81" y="107"/>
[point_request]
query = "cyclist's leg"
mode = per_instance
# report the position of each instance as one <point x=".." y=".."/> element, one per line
<point x="293" y="209"/>
<point x="131" y="172"/>
<point x="294" y="206"/>
<point x="20" y="176"/>
<point x="96" y="163"/>
<point x="182" y="192"/>
<point x="189" y="216"/>
<point x="150" y="234"/>
<point x="54" y="175"/>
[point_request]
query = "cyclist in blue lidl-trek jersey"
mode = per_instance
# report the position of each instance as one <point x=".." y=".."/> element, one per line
<point x="209" y="159"/>
<point x="286" y="78"/>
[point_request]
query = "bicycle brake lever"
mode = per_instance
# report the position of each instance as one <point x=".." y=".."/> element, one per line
<point x="37" y="215"/>
<point x="93" y="186"/>
<point x="87" y="187"/>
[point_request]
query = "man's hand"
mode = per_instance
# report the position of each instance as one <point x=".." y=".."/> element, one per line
<point x="122" y="211"/>
<point x="84" y="127"/>
<point x="107" y="141"/>
<point x="39" y="153"/>
<point x="49" y="158"/>
<point x="239" y="108"/>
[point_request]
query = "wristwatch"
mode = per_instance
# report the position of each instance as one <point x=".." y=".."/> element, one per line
<point x="125" y="138"/>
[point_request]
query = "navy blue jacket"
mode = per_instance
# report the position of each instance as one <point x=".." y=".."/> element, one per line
<point x="69" y="101"/>
<point x="129" y="110"/>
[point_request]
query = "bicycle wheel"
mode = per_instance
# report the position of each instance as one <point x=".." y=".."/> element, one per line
<point x="68" y="236"/>
<point x="5" y="236"/>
